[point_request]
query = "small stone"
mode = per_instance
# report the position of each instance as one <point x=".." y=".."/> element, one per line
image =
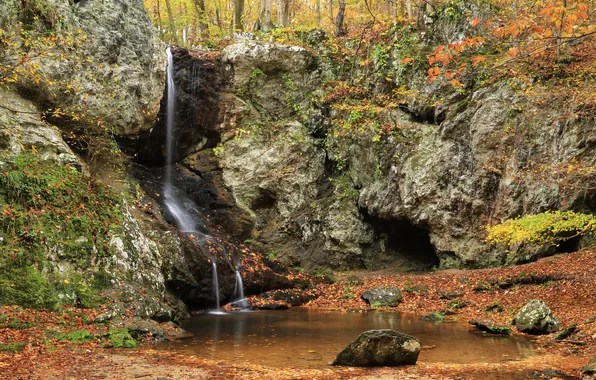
<point x="490" y="327"/>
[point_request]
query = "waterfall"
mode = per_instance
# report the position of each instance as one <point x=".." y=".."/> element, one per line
<point x="183" y="220"/>
<point x="239" y="292"/>
<point x="178" y="206"/>
<point x="216" y="285"/>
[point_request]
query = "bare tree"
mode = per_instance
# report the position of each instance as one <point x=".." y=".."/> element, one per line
<point x="339" y="21"/>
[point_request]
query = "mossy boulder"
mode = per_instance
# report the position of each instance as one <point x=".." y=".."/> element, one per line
<point x="590" y="368"/>
<point x="380" y="348"/>
<point x="536" y="318"/>
<point x="390" y="296"/>
<point x="490" y="327"/>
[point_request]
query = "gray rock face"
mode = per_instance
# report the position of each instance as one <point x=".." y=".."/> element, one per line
<point x="536" y="318"/>
<point x="25" y="131"/>
<point x="119" y="65"/>
<point x="380" y="348"/>
<point x="445" y="181"/>
<point x="383" y="296"/>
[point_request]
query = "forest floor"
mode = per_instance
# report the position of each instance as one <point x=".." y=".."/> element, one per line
<point x="567" y="283"/>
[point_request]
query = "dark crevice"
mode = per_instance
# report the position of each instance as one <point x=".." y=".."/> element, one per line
<point x="399" y="244"/>
<point x="568" y="246"/>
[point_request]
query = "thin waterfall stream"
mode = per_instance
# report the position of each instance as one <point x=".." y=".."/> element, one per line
<point x="178" y="206"/>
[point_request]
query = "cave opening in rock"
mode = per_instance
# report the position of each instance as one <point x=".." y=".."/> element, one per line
<point x="399" y="245"/>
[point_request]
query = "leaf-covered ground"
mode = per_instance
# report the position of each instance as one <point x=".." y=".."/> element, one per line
<point x="567" y="283"/>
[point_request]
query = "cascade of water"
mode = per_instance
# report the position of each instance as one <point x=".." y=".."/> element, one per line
<point x="215" y="285"/>
<point x="175" y="206"/>
<point x="240" y="302"/>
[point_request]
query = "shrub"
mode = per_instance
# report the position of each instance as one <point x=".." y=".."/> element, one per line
<point x="548" y="228"/>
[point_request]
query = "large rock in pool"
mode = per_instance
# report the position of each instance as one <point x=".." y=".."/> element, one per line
<point x="536" y="318"/>
<point x="380" y="348"/>
<point x="383" y="296"/>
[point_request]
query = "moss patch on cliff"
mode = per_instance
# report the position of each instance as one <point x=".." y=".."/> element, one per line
<point x="51" y="212"/>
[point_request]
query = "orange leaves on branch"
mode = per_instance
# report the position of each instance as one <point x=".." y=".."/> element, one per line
<point x="477" y="59"/>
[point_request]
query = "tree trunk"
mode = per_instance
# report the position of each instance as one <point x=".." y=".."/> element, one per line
<point x="203" y="21"/>
<point x="331" y="12"/>
<point x="409" y="9"/>
<point x="318" y="8"/>
<point x="280" y="12"/>
<point x="339" y="21"/>
<point x="267" y="20"/>
<point x="238" y="15"/>
<point x="173" y="34"/>
<point x="158" y="17"/>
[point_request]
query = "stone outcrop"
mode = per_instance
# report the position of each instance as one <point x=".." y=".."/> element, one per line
<point x="536" y="318"/>
<point x="117" y="70"/>
<point x="380" y="348"/>
<point x="418" y="197"/>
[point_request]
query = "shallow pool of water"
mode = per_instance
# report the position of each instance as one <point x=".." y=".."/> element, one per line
<point x="307" y="338"/>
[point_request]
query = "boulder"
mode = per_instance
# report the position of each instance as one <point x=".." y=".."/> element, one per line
<point x="383" y="296"/>
<point x="490" y="327"/>
<point x="536" y="318"/>
<point x="380" y="348"/>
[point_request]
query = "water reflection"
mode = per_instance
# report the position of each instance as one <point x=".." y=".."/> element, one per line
<point x="306" y="338"/>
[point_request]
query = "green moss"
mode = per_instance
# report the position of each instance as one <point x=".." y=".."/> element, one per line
<point x="457" y="304"/>
<point x="25" y="286"/>
<point x="44" y="206"/>
<point x="13" y="347"/>
<point x="120" y="338"/>
<point x="78" y="336"/>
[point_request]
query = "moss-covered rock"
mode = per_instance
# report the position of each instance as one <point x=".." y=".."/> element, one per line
<point x="380" y="348"/>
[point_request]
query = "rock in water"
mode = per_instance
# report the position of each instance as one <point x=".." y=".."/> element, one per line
<point x="490" y="327"/>
<point x="536" y="318"/>
<point x="383" y="296"/>
<point x="380" y="348"/>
